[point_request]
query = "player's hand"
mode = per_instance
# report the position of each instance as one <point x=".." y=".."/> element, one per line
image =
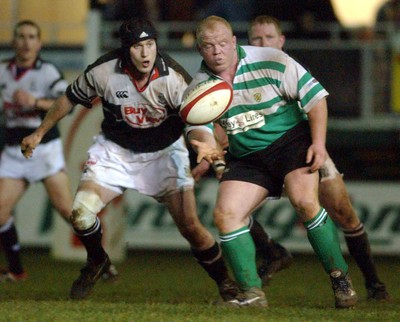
<point x="29" y="143"/>
<point x="200" y="170"/>
<point x="316" y="157"/>
<point x="204" y="151"/>
<point x="24" y="98"/>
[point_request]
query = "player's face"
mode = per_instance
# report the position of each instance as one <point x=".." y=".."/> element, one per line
<point x="26" y="44"/>
<point x="218" y="48"/>
<point x="266" y="35"/>
<point x="143" y="55"/>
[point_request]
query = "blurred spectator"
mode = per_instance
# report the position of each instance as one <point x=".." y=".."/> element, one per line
<point x="231" y="10"/>
<point x="310" y="15"/>
<point x="125" y="9"/>
<point x="172" y="10"/>
<point x="183" y="10"/>
<point x="388" y="17"/>
<point x="304" y="15"/>
<point x="234" y="11"/>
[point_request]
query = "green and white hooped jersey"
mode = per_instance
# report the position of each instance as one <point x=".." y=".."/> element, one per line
<point x="272" y="94"/>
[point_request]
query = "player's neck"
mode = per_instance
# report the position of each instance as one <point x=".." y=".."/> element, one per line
<point x="24" y="63"/>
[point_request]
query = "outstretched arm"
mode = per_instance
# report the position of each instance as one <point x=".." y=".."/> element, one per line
<point x="61" y="107"/>
<point x="205" y="145"/>
<point x="317" y="117"/>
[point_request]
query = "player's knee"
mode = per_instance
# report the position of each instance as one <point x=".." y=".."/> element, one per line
<point x="223" y="219"/>
<point x="306" y="208"/>
<point x="85" y="209"/>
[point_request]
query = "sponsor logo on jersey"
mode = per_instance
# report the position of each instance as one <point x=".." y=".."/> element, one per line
<point x="143" y="115"/>
<point x="243" y="122"/>
<point x="121" y="94"/>
<point x="257" y="97"/>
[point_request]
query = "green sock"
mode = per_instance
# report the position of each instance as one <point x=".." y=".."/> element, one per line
<point x="324" y="239"/>
<point x="239" y="251"/>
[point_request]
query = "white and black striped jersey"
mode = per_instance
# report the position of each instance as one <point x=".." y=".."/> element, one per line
<point x="141" y="120"/>
<point x="42" y="80"/>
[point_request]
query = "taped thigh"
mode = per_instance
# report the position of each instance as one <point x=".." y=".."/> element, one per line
<point x="328" y="171"/>
<point x="85" y="209"/>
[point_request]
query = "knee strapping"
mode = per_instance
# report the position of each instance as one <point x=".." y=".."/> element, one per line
<point x="85" y="209"/>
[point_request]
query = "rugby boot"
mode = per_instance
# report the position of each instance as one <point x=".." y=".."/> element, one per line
<point x="228" y="289"/>
<point x="7" y="276"/>
<point x="377" y="291"/>
<point x="111" y="275"/>
<point x="283" y="259"/>
<point x="253" y="297"/>
<point x="90" y="273"/>
<point x="345" y="295"/>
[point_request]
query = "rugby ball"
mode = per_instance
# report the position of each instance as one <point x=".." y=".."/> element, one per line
<point x="206" y="102"/>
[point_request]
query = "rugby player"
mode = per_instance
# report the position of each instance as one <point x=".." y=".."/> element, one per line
<point x="266" y="31"/>
<point x="140" y="147"/>
<point x="271" y="143"/>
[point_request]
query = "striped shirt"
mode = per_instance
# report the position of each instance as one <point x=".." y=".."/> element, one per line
<point x="272" y="94"/>
<point x="42" y="80"/>
<point x="141" y="120"/>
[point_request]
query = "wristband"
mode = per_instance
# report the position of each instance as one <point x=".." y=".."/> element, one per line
<point x="218" y="165"/>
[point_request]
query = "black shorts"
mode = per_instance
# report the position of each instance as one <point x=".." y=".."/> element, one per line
<point x="268" y="168"/>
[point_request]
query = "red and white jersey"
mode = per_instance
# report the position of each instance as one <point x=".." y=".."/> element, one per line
<point x="42" y="80"/>
<point x="141" y="120"/>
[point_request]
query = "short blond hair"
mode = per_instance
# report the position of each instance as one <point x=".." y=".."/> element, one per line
<point x="264" y="19"/>
<point x="210" y="22"/>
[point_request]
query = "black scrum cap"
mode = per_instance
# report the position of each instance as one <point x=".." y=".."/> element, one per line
<point x="135" y="30"/>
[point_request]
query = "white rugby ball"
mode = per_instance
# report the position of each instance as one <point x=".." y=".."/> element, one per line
<point x="206" y="102"/>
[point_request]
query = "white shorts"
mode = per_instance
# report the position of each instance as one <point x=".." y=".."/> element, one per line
<point x="47" y="160"/>
<point x="155" y="174"/>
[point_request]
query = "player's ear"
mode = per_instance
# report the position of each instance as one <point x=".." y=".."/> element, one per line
<point x="283" y="39"/>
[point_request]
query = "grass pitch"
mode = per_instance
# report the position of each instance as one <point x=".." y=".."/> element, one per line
<point x="171" y="286"/>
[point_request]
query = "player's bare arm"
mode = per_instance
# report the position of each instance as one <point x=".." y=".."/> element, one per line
<point x="24" y="98"/>
<point x="317" y="154"/>
<point x="200" y="170"/>
<point x="61" y="107"/>
<point x="218" y="164"/>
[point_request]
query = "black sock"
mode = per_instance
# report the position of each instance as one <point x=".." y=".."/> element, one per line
<point x="91" y="239"/>
<point x="264" y="244"/>
<point x="260" y="236"/>
<point x="359" y="247"/>
<point x="11" y="247"/>
<point x="213" y="263"/>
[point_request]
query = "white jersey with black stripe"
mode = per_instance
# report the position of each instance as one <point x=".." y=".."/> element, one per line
<point x="141" y="120"/>
<point x="42" y="80"/>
